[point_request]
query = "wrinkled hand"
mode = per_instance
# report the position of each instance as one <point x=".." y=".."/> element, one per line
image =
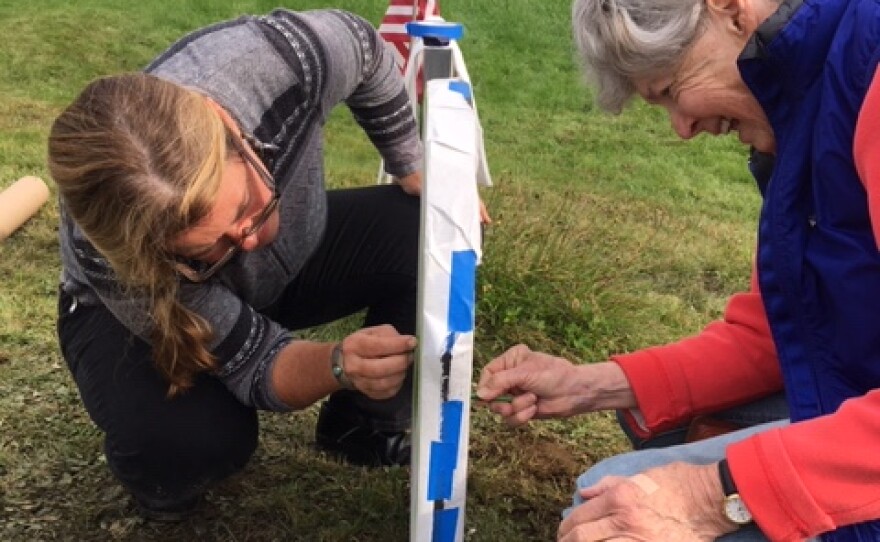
<point x="412" y="185"/>
<point x="540" y="384"/>
<point x="376" y="359"/>
<point x="678" y="502"/>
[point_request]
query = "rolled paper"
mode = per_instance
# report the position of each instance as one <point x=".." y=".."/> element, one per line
<point x="20" y="201"/>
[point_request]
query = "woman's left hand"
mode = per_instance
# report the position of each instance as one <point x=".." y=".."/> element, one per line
<point x="676" y="502"/>
<point x="412" y="185"/>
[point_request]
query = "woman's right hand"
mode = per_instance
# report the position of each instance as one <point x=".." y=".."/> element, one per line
<point x="539" y="384"/>
<point x="545" y="386"/>
<point x="375" y="360"/>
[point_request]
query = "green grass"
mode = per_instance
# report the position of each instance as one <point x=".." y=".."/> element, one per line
<point x="610" y="234"/>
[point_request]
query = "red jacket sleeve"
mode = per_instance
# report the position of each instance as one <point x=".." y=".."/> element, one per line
<point x="812" y="476"/>
<point x="866" y="152"/>
<point x="731" y="362"/>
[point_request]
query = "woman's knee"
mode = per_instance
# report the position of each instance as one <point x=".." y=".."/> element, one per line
<point x="204" y="434"/>
<point x="612" y="466"/>
<point x="625" y="464"/>
<point x="182" y="457"/>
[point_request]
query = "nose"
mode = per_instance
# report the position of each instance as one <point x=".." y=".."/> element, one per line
<point x="684" y="125"/>
<point x="238" y="235"/>
<point x="247" y="232"/>
<point x="249" y="242"/>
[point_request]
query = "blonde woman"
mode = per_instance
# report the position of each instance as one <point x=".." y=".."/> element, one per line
<point x="196" y="233"/>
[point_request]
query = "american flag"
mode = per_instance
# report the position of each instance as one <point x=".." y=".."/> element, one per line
<point x="393" y="30"/>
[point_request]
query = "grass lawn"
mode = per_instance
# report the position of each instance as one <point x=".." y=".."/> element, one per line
<point x="610" y="235"/>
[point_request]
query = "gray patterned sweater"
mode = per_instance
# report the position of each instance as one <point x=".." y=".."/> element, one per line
<point x="279" y="76"/>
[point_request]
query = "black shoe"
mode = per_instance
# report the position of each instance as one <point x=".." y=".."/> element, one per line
<point x="166" y="510"/>
<point x="347" y="435"/>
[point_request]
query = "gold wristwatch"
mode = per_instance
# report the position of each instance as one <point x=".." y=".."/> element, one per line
<point x="733" y="506"/>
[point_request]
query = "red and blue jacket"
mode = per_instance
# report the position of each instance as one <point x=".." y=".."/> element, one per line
<point x="811" y="323"/>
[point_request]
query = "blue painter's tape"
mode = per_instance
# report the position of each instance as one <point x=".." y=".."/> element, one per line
<point x="445" y="525"/>
<point x="462" y="290"/>
<point x="450" y="429"/>
<point x="462" y="88"/>
<point x="444" y="454"/>
<point x="440" y="470"/>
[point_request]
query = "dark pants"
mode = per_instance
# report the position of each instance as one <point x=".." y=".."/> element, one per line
<point x="171" y="449"/>
<point x="768" y="409"/>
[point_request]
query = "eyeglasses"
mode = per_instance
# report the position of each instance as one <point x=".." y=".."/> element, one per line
<point x="264" y="151"/>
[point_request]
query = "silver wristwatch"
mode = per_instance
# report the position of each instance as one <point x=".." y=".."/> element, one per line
<point x="337" y="367"/>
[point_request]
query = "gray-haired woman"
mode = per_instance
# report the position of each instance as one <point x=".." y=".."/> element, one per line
<point x="796" y="81"/>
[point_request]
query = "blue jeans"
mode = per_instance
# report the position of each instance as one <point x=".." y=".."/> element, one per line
<point x="698" y="453"/>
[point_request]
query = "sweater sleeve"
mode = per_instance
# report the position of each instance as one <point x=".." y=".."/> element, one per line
<point x="360" y="71"/>
<point x="731" y="362"/>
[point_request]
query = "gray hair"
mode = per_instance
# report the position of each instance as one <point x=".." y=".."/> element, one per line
<point x="619" y="40"/>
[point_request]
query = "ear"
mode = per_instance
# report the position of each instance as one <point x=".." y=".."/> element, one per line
<point x="731" y="14"/>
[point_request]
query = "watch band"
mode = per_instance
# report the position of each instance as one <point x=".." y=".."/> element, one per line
<point x="337" y="367"/>
<point x="727" y="483"/>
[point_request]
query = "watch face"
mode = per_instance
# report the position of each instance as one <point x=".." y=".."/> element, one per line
<point x="736" y="511"/>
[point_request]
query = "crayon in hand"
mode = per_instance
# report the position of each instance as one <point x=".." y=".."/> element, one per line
<point x="499" y="399"/>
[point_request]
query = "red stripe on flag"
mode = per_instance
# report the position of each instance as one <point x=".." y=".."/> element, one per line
<point x="392" y="30"/>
